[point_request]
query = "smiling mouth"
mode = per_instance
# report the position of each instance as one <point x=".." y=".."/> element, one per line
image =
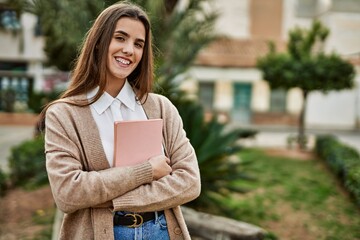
<point x="123" y="61"/>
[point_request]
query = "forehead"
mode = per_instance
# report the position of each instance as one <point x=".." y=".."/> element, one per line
<point x="133" y="27"/>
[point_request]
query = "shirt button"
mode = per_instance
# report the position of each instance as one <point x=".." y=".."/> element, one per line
<point x="177" y="231"/>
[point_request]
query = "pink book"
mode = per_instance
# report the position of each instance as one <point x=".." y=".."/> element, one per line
<point x="137" y="141"/>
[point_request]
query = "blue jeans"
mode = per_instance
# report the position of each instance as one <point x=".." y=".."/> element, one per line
<point x="151" y="230"/>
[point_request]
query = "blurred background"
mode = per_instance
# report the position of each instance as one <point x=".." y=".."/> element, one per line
<point x="252" y="79"/>
<point x="224" y="76"/>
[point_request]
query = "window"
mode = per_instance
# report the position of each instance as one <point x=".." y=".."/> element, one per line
<point x="307" y="8"/>
<point x="278" y="100"/>
<point x="13" y="66"/>
<point x="15" y="84"/>
<point x="206" y="94"/>
<point x="9" y="20"/>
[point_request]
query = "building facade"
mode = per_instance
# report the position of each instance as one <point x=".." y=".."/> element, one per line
<point x="22" y="59"/>
<point x="228" y="81"/>
<point x="224" y="76"/>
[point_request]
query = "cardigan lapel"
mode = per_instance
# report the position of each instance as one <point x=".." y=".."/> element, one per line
<point x="90" y="138"/>
<point x="151" y="109"/>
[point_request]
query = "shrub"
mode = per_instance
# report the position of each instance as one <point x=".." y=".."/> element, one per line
<point x="38" y="100"/>
<point x="343" y="160"/>
<point x="27" y="164"/>
<point x="7" y="100"/>
<point x="216" y="148"/>
<point x="3" y="183"/>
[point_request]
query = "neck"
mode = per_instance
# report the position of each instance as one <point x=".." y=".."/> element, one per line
<point x="113" y="88"/>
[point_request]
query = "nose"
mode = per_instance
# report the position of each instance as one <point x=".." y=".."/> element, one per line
<point x="128" y="49"/>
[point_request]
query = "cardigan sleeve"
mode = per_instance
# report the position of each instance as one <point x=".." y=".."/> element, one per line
<point x="73" y="185"/>
<point x="182" y="185"/>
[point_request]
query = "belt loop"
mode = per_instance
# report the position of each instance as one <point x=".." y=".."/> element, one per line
<point x="156" y="216"/>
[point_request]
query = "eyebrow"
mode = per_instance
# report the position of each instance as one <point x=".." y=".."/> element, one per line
<point x="127" y="35"/>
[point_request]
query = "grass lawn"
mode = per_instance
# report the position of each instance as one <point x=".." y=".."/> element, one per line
<point x="295" y="198"/>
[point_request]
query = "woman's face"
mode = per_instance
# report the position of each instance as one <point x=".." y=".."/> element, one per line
<point x="126" y="48"/>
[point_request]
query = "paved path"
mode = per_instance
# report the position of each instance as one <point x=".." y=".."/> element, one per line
<point x="276" y="136"/>
<point x="11" y="136"/>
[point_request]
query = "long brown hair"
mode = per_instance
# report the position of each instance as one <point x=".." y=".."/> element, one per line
<point x="89" y="73"/>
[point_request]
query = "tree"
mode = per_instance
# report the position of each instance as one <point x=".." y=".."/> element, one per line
<point x="306" y="66"/>
<point x="63" y="24"/>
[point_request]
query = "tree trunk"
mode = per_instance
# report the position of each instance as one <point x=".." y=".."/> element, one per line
<point x="301" y="135"/>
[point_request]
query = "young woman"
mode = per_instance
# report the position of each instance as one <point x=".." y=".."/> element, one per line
<point x="111" y="81"/>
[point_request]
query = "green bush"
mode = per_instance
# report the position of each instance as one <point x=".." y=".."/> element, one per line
<point x="27" y="164"/>
<point x="343" y="160"/>
<point x="37" y="100"/>
<point x="3" y="183"/>
<point x="216" y="149"/>
<point x="7" y="100"/>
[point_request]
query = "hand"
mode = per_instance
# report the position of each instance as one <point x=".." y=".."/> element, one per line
<point x="160" y="166"/>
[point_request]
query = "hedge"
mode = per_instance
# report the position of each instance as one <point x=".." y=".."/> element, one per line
<point x="343" y="160"/>
<point x="27" y="164"/>
<point x="3" y="182"/>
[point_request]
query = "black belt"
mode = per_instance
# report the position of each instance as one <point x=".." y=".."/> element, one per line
<point x="134" y="219"/>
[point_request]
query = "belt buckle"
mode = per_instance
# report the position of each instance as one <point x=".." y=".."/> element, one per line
<point x="136" y="217"/>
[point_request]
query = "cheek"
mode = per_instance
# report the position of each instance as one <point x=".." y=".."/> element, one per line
<point x="140" y="55"/>
<point x="112" y="47"/>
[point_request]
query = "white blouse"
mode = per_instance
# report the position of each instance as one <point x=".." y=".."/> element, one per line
<point x="106" y="110"/>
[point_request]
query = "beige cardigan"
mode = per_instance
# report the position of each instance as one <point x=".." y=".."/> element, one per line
<point x="87" y="190"/>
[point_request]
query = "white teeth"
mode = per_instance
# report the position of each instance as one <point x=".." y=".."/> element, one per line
<point x="123" y="61"/>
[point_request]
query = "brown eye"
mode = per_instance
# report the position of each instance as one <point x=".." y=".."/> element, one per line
<point x="120" y="38"/>
<point x="139" y="45"/>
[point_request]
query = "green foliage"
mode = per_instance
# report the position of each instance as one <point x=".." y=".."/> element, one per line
<point x="7" y="100"/>
<point x="343" y="160"/>
<point x="64" y="24"/>
<point x="3" y="182"/>
<point x="27" y="164"/>
<point x="290" y="188"/>
<point x="37" y="100"/>
<point x="179" y="35"/>
<point x="320" y="72"/>
<point x="216" y="150"/>
<point x="302" y="43"/>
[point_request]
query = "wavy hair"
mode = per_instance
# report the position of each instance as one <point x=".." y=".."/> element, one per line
<point x="88" y="71"/>
<point x="89" y="66"/>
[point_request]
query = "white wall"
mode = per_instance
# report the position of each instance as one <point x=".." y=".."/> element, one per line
<point x="234" y="20"/>
<point x="233" y="74"/>
<point x="335" y="109"/>
<point x="12" y="47"/>
<point x="260" y="96"/>
<point x="344" y="35"/>
<point x="24" y="46"/>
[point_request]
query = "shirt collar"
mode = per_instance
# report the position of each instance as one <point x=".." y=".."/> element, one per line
<point x="126" y="96"/>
